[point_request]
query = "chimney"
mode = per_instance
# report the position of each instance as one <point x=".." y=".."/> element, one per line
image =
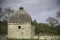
<point x="21" y="8"/>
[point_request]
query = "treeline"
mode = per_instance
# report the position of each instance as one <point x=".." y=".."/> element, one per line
<point x="45" y="29"/>
<point x="40" y="28"/>
<point x="51" y="28"/>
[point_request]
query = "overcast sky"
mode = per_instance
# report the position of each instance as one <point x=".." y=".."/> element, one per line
<point x="38" y="9"/>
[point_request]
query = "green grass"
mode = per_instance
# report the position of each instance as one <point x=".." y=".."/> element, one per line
<point x="22" y="39"/>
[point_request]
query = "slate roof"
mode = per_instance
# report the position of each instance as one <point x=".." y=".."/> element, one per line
<point x="20" y="16"/>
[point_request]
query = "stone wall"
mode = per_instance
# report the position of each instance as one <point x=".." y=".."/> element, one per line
<point x="47" y="37"/>
<point x="15" y="32"/>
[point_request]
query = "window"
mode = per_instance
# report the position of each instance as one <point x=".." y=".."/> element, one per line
<point x="19" y="27"/>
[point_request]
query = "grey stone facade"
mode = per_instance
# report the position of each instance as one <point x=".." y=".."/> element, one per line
<point x="19" y="25"/>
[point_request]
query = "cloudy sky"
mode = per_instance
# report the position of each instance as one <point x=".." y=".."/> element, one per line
<point x="38" y="9"/>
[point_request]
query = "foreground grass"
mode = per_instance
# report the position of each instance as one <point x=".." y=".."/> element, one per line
<point x="22" y="39"/>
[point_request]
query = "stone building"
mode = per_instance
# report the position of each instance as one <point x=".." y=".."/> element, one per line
<point x="19" y="25"/>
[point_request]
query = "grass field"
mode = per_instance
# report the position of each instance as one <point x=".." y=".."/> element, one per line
<point x="22" y="39"/>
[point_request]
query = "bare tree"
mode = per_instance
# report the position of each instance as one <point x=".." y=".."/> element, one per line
<point x="4" y="13"/>
<point x="52" y="21"/>
<point x="9" y="10"/>
<point x="58" y="14"/>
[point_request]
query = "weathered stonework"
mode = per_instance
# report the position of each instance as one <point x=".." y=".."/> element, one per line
<point x="19" y="25"/>
<point x="15" y="32"/>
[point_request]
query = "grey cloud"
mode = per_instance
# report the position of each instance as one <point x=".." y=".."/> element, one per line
<point x="1" y="3"/>
<point x="38" y="9"/>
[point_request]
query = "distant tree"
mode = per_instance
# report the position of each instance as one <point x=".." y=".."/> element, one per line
<point x="9" y="10"/>
<point x="0" y="10"/>
<point x="34" y="23"/>
<point x="58" y="14"/>
<point x="57" y="30"/>
<point x="3" y="28"/>
<point x="52" y="21"/>
<point x="44" y="29"/>
<point x="5" y="12"/>
<point x="40" y="27"/>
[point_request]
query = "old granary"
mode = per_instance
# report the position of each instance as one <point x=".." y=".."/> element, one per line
<point x="19" y="25"/>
